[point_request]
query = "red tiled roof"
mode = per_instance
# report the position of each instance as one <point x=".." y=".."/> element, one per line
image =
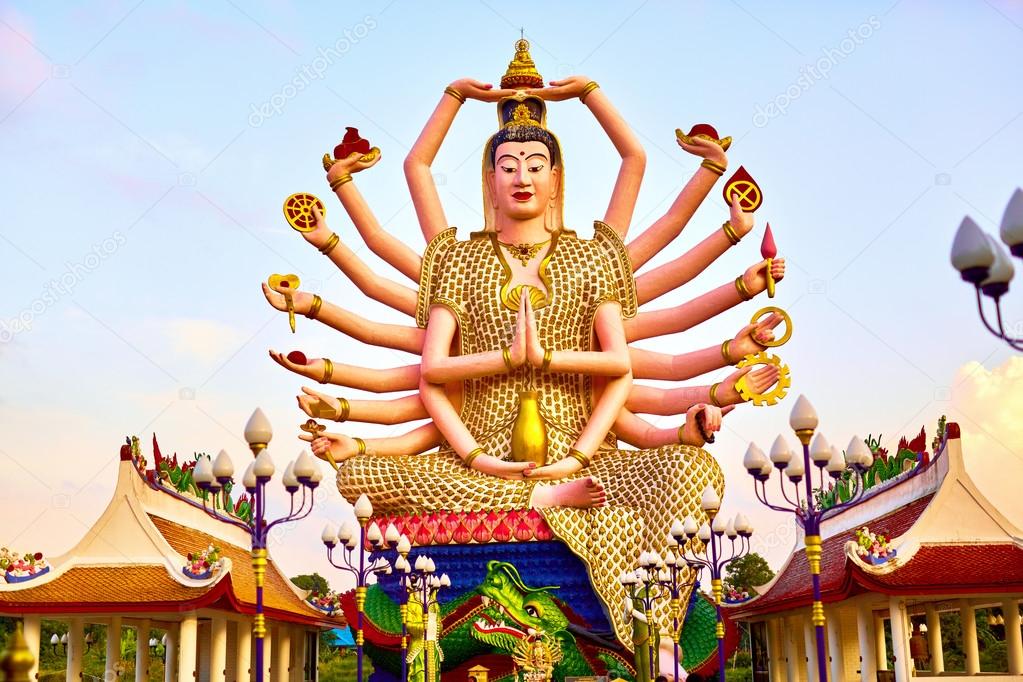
<point x="792" y="589"/>
<point x="966" y="568"/>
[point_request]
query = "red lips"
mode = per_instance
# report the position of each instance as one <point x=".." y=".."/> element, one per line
<point x="523" y="196"/>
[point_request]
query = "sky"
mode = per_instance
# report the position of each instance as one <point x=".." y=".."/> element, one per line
<point x="148" y="147"/>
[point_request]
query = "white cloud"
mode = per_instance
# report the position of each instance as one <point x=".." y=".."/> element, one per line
<point x="205" y="340"/>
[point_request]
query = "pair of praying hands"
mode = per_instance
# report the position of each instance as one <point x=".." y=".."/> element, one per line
<point x="525" y="347"/>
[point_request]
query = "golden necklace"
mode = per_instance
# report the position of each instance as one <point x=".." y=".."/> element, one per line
<point x="524" y="252"/>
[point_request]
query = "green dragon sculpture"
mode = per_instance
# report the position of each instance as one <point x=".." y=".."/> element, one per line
<point x="502" y="620"/>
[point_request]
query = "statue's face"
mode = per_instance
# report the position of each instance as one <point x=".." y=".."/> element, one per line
<point x="523" y="181"/>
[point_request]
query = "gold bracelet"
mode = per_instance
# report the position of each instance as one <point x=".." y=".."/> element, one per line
<point x="361" y="444"/>
<point x="506" y="356"/>
<point x="726" y="352"/>
<point x="455" y="93"/>
<point x="337" y="182"/>
<point x="314" y="309"/>
<point x="715" y="168"/>
<point x="579" y="456"/>
<point x="346" y="408"/>
<point x="328" y="371"/>
<point x="547" y="355"/>
<point x="590" y="87"/>
<point x="730" y="232"/>
<point x="471" y="457"/>
<point x="332" y="241"/>
<point x="740" y="286"/>
<point x="714" y="395"/>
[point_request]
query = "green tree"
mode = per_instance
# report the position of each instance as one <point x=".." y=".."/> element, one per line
<point x="314" y="582"/>
<point x="748" y="572"/>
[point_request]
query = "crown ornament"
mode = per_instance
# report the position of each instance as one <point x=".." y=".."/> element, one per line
<point x="521" y="73"/>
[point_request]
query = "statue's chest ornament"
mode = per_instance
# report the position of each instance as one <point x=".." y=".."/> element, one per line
<point x="511" y="293"/>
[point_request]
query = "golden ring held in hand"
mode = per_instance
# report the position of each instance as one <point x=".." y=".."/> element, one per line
<point x="774" y="395"/>
<point x="788" y="325"/>
<point x="298" y="211"/>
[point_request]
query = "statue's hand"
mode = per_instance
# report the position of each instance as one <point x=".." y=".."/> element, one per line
<point x="566" y="88"/>
<point x="518" y="350"/>
<point x="753" y="338"/>
<point x="760" y="380"/>
<point x="313" y="369"/>
<point x="320" y="234"/>
<point x="756" y="279"/>
<point x="704" y="149"/>
<point x="353" y="163"/>
<point x="711" y="421"/>
<point x="314" y="404"/>
<point x="332" y="447"/>
<point x="488" y="464"/>
<point x="552" y="472"/>
<point x="534" y="351"/>
<point x="742" y="222"/>
<point x="478" y="90"/>
<point x="303" y="300"/>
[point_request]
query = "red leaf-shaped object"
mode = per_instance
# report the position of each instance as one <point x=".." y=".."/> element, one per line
<point x="451" y="522"/>
<point x="461" y="535"/>
<point x="424" y="535"/>
<point x="351" y="143"/>
<point x="704" y="129"/>
<point x="523" y="533"/>
<point x="919" y="444"/>
<point x="441" y="534"/>
<point x="491" y="520"/>
<point x="742" y="185"/>
<point x="481" y="534"/>
<point x="297" y="357"/>
<point x="768" y="249"/>
<point x="534" y="519"/>
<point x="502" y="532"/>
<point x="543" y="532"/>
<point x="471" y="520"/>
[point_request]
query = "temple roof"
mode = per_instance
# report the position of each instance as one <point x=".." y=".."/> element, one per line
<point x="132" y="560"/>
<point x="949" y="540"/>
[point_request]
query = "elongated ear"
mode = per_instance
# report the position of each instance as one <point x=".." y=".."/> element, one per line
<point x="491" y="185"/>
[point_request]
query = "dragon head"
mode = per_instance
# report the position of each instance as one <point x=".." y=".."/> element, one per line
<point x="513" y="612"/>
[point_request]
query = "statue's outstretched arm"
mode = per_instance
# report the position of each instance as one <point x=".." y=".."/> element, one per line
<point x="630" y="173"/>
<point x="640" y="433"/>
<point x="666" y="228"/>
<point x="611" y="360"/>
<point x="397" y="336"/>
<point x="417" y="164"/>
<point x="395" y="252"/>
<point x="677" y="272"/>
<point x="681" y="317"/>
<point x="440" y="367"/>
<point x="395" y="411"/>
<point x="669" y="401"/>
<point x="404" y="378"/>
<point x="337" y="447"/>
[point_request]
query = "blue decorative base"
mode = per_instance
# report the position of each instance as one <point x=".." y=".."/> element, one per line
<point x="25" y="578"/>
<point x="198" y="576"/>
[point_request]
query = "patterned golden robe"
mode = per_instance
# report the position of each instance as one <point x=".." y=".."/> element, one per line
<point x="646" y="489"/>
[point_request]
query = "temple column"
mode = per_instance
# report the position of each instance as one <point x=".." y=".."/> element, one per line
<point x="934" y="640"/>
<point x="218" y="649"/>
<point x="900" y="639"/>
<point x="188" y="632"/>
<point x="791" y="650"/>
<point x="32" y="630"/>
<point x="968" y="624"/>
<point x="1013" y="637"/>
<point x="113" y="648"/>
<point x="880" y="646"/>
<point x="867" y="642"/>
<point x="75" y="649"/>
<point x="142" y="651"/>
<point x="776" y="649"/>
<point x="836" y="662"/>
<point x="243" y="652"/>
<point x="268" y="650"/>
<point x="298" y="654"/>
<point x="170" y="655"/>
<point x="282" y="654"/>
<point x="810" y="644"/>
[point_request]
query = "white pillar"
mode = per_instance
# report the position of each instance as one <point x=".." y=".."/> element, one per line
<point x="1013" y="638"/>
<point x="170" y="656"/>
<point x="298" y="647"/>
<point x="810" y="644"/>
<point x="934" y="646"/>
<point x="880" y="646"/>
<point x="867" y="642"/>
<point x="776" y="649"/>
<point x="969" y="629"/>
<point x="243" y="652"/>
<point x="900" y="639"/>
<point x="268" y="652"/>
<point x="31" y="628"/>
<point x="791" y="651"/>
<point x="75" y="649"/>
<point x="282" y="653"/>
<point x="188" y="632"/>
<point x="218" y="649"/>
<point x="113" y="648"/>
<point x="836" y="662"/>
<point x="142" y="633"/>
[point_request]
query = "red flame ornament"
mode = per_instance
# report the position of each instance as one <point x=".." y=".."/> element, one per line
<point x="769" y="250"/>
<point x="742" y="185"/>
<point x="351" y="143"/>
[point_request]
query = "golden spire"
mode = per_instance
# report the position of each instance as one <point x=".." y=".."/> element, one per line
<point x="17" y="660"/>
<point x="521" y="71"/>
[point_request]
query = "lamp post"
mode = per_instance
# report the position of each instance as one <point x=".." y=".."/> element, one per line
<point x="302" y="474"/>
<point x="808" y="511"/>
<point x="672" y="580"/>
<point x="358" y="566"/>
<point x="714" y="556"/>
<point x="643" y="586"/>
<point x="419" y="580"/>
<point x="404" y="569"/>
<point x="984" y="263"/>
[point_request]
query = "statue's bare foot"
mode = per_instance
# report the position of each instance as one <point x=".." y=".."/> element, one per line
<point x="582" y="493"/>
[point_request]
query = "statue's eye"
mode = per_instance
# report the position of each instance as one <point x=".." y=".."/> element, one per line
<point x="507" y="169"/>
<point x="535" y="169"/>
<point x="533" y="610"/>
